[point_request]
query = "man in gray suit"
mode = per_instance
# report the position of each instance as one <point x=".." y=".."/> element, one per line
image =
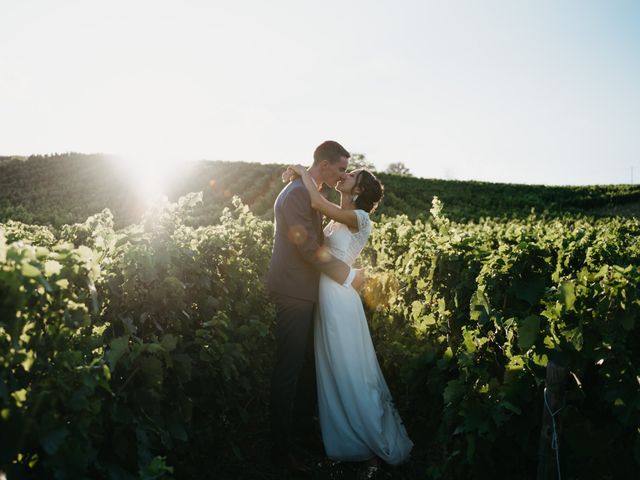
<point x="297" y="261"/>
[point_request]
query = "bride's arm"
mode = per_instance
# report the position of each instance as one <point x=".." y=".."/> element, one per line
<point x="318" y="202"/>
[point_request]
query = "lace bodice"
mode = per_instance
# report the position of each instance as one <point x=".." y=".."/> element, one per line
<point x="345" y="244"/>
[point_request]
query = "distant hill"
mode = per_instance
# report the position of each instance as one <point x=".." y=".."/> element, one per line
<point x="67" y="188"/>
<point x="6" y="159"/>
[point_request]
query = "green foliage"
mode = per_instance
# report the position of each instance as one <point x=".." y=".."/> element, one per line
<point x="489" y="304"/>
<point x="398" y="168"/>
<point x="359" y="160"/>
<point x="149" y="349"/>
<point x="53" y="381"/>
<point x="145" y="352"/>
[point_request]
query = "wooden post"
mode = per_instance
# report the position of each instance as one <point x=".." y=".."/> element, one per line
<point x="556" y="382"/>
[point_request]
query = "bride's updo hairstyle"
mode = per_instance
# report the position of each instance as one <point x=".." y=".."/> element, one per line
<point x="371" y="191"/>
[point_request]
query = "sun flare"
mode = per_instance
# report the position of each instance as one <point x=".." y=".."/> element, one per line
<point x="148" y="175"/>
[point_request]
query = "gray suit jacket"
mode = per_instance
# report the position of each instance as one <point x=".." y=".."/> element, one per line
<point x="298" y="255"/>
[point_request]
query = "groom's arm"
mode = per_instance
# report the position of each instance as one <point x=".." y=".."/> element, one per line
<point x="297" y="212"/>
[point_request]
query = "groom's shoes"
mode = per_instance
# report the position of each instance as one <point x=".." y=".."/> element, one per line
<point x="291" y="463"/>
<point x="312" y="443"/>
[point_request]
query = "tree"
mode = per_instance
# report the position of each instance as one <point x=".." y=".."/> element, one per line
<point x="359" y="160"/>
<point x="399" y="168"/>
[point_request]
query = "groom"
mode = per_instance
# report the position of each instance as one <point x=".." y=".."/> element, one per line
<point x="297" y="261"/>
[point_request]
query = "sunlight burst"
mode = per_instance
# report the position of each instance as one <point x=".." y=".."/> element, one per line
<point x="148" y="175"/>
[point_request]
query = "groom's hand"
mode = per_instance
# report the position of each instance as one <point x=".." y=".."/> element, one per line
<point x="358" y="280"/>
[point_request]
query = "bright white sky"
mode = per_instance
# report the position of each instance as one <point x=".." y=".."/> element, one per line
<point x="510" y="91"/>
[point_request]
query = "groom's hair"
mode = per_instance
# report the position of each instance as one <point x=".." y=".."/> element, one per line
<point x="330" y="151"/>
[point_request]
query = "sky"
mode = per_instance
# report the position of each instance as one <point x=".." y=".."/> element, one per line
<point x="537" y="92"/>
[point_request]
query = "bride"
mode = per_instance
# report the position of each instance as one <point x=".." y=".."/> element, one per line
<point x="358" y="420"/>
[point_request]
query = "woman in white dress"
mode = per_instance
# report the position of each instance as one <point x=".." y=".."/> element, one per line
<point x="358" y="420"/>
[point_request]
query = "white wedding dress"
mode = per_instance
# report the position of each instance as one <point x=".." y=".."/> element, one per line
<point x="357" y="417"/>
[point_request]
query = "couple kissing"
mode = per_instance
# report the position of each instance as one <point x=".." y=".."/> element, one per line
<point x="325" y="360"/>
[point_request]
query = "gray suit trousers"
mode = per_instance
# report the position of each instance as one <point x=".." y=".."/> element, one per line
<point x="293" y="383"/>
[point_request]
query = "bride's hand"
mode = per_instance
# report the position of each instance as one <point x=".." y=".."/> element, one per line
<point x="359" y="279"/>
<point x="298" y="169"/>
<point x="292" y="172"/>
<point x="288" y="175"/>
